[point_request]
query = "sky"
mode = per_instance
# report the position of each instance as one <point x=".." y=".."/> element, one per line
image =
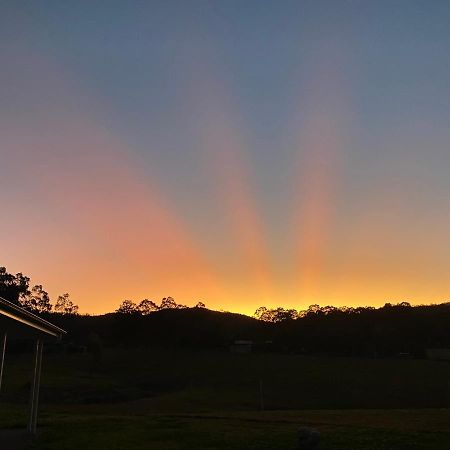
<point x="241" y="153"/>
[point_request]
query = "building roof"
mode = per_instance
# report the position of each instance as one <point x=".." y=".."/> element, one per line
<point x="18" y="322"/>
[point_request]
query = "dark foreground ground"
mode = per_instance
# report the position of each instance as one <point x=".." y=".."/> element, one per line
<point x="196" y="400"/>
<point x="92" y="428"/>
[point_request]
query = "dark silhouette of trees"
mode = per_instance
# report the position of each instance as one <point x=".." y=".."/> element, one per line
<point x="389" y="331"/>
<point x="170" y="303"/>
<point x="146" y="307"/>
<point x="262" y="314"/>
<point x="275" y="315"/>
<point x="65" y="306"/>
<point x="394" y="329"/>
<point x="37" y="300"/>
<point x="13" y="286"/>
<point x="16" y="289"/>
<point x="127" y="307"/>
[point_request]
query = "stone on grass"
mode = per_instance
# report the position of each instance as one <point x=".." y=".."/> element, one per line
<point x="308" y="439"/>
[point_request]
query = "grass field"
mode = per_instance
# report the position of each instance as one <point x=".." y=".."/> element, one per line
<point x="197" y="400"/>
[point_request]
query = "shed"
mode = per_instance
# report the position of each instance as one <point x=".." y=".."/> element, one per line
<point x="16" y="322"/>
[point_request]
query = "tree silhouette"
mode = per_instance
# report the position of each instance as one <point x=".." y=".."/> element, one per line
<point x="170" y="303"/>
<point x="275" y="315"/>
<point x="65" y="306"/>
<point x="37" y="300"/>
<point x="127" y="307"/>
<point x="146" y="307"/>
<point x="200" y="304"/>
<point x="13" y="286"/>
<point x="261" y="314"/>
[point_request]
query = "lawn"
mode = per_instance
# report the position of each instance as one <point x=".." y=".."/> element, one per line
<point x="88" y="428"/>
<point x="154" y="399"/>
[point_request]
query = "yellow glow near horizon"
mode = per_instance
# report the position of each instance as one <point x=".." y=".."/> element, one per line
<point x="85" y="217"/>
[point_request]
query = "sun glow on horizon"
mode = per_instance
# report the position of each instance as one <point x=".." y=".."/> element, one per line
<point x="138" y="167"/>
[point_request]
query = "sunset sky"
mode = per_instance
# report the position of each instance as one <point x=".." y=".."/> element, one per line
<point x="242" y="153"/>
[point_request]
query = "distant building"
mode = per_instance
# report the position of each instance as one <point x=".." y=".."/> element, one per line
<point x="241" y="346"/>
<point x="438" y="354"/>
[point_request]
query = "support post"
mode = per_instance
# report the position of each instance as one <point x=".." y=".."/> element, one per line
<point x="34" y="394"/>
<point x="3" y="349"/>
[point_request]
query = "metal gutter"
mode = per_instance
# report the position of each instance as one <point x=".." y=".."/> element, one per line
<point x="29" y="319"/>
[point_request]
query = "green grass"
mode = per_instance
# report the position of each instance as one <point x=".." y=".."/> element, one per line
<point x="197" y="400"/>
<point x="75" y="429"/>
<point x="217" y="381"/>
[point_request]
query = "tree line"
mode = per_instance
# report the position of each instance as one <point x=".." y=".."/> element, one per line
<point x="280" y="314"/>
<point x="393" y="329"/>
<point x="16" y="288"/>
<point x="147" y="306"/>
